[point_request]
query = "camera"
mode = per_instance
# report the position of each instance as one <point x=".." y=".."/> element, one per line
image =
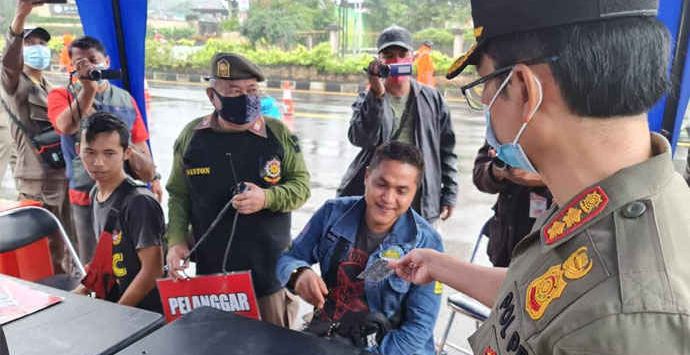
<point x="104" y="74"/>
<point x="386" y="70"/>
<point x="499" y="164"/>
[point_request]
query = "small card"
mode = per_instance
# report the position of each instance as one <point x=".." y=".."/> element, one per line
<point x="378" y="271"/>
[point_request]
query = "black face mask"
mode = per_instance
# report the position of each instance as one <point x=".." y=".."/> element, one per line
<point x="239" y="109"/>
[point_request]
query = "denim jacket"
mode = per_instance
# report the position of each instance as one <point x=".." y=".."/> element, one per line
<point x="340" y="218"/>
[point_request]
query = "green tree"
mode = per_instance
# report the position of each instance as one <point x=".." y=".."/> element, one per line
<point x="416" y="15"/>
<point x="277" y="21"/>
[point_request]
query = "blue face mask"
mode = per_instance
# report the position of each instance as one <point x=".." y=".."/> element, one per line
<point x="37" y="56"/>
<point x="510" y="153"/>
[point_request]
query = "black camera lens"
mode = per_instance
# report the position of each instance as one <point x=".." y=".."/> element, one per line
<point x="95" y="75"/>
<point x="384" y="70"/>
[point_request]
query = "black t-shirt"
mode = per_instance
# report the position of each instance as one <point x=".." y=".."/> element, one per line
<point x="141" y="224"/>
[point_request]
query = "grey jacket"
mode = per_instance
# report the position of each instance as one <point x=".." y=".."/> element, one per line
<point x="372" y="125"/>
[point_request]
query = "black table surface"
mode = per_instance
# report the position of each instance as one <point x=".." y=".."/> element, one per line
<point x="78" y="325"/>
<point x="207" y="330"/>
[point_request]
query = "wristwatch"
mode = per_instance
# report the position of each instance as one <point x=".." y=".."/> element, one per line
<point x="293" y="278"/>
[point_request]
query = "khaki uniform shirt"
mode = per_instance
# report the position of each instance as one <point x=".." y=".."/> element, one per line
<point x="28" y="101"/>
<point x="608" y="273"/>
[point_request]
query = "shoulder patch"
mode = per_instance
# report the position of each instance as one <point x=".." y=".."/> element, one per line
<point x="578" y="212"/>
<point x="549" y="286"/>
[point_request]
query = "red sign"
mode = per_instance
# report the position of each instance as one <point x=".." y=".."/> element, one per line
<point x="233" y="292"/>
<point x="18" y="300"/>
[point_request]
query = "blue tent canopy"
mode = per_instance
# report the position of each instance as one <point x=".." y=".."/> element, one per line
<point x="668" y="114"/>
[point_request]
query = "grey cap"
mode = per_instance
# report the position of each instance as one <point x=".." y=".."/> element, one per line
<point x="394" y="36"/>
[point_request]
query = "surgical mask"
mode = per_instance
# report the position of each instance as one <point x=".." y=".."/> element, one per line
<point x="511" y="153"/>
<point x="239" y="109"/>
<point x="37" y="56"/>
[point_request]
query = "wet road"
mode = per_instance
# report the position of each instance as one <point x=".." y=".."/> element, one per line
<point x="321" y="123"/>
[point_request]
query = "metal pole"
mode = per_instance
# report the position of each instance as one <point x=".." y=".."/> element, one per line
<point x="120" y="37"/>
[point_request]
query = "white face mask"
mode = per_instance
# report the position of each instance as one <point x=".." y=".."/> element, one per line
<point x="37" y="56"/>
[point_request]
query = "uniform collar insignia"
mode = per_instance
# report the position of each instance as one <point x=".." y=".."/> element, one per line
<point x="570" y="218"/>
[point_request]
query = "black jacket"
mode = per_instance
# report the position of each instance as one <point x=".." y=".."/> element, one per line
<point x="511" y="220"/>
<point x="372" y="125"/>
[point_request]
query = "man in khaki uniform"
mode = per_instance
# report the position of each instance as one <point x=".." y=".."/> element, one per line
<point x="25" y="92"/>
<point x="565" y="86"/>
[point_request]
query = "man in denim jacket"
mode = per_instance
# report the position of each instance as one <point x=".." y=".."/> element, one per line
<point x="348" y="235"/>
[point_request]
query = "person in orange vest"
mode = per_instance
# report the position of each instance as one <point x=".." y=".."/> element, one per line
<point x="65" y="61"/>
<point x="425" y="66"/>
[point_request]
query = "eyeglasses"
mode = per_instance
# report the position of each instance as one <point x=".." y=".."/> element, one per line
<point x="474" y="91"/>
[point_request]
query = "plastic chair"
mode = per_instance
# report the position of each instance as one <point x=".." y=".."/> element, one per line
<point x="24" y="252"/>
<point x="465" y="305"/>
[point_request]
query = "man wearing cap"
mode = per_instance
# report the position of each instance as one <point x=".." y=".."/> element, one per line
<point x="565" y="87"/>
<point x="212" y="156"/>
<point x="399" y="108"/>
<point x="24" y="96"/>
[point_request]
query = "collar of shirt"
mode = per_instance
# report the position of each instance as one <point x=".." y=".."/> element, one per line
<point x="628" y="185"/>
<point x="258" y="127"/>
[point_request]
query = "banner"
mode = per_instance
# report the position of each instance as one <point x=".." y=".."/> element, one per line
<point x="233" y="292"/>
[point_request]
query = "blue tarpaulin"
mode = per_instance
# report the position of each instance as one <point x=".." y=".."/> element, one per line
<point x="99" y="19"/>
<point x="669" y="112"/>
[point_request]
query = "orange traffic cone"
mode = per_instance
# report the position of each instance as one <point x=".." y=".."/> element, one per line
<point x="288" y="104"/>
<point x="147" y="97"/>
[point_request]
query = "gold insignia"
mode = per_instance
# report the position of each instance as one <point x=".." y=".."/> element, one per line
<point x="272" y="171"/>
<point x="478" y="31"/>
<point x="582" y="209"/>
<point x="460" y="61"/>
<point x="591" y="201"/>
<point x="550" y="286"/>
<point x="556" y="229"/>
<point x="573" y="217"/>
<point x="438" y="288"/>
<point x="223" y="68"/>
<point x="118" y="270"/>
<point x="577" y="265"/>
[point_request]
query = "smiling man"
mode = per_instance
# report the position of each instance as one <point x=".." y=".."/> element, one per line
<point x="349" y="234"/>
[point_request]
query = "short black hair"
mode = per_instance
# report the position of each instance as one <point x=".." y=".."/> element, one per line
<point x="105" y="122"/>
<point x="398" y="151"/>
<point x="604" y="68"/>
<point x="84" y="43"/>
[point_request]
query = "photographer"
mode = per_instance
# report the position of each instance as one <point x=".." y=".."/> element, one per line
<point x="398" y="108"/>
<point x="25" y="57"/>
<point x="66" y="109"/>
<point x="522" y="197"/>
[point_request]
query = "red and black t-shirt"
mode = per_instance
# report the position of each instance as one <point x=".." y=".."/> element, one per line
<point x="348" y="294"/>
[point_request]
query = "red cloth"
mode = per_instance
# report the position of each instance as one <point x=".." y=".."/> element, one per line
<point x="99" y="273"/>
<point x="59" y="100"/>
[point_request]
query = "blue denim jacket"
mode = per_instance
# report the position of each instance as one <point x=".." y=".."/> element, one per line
<point x="340" y="218"/>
